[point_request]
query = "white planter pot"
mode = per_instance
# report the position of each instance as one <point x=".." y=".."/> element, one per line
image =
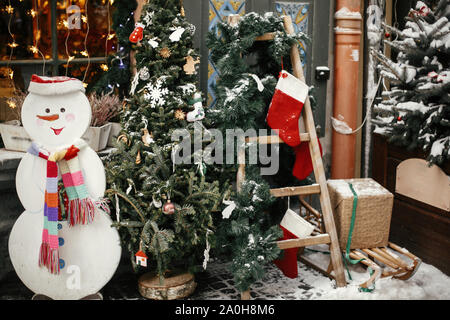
<point x="97" y="137"/>
<point x="15" y="137"/>
<point x="115" y="132"/>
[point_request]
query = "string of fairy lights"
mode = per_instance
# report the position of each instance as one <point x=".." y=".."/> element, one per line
<point x="34" y="48"/>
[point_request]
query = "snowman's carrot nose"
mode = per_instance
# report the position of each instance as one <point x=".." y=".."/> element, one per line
<point x="53" y="117"/>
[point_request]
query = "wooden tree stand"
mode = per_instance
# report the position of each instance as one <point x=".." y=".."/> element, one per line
<point x="177" y="285"/>
<point x="329" y="236"/>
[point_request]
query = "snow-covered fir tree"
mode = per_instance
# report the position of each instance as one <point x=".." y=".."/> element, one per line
<point x="415" y="110"/>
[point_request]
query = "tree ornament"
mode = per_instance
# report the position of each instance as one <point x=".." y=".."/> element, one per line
<point x="156" y="203"/>
<point x="147" y="138"/>
<point x="424" y="11"/>
<point x="168" y="208"/>
<point x="432" y="75"/>
<point x="180" y="115"/>
<point x="123" y="138"/>
<point x="176" y="35"/>
<point x="156" y="94"/>
<point x="198" y="113"/>
<point x="124" y="106"/>
<point x="153" y="43"/>
<point x="144" y="74"/>
<point x="387" y="35"/>
<point x="138" y="158"/>
<point x="165" y="53"/>
<point x="138" y="33"/>
<point x="182" y="13"/>
<point x="189" y="67"/>
<point x="399" y="118"/>
<point x="141" y="258"/>
<point x="191" y="28"/>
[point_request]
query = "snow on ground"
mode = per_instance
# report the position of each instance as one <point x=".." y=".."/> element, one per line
<point x="427" y="284"/>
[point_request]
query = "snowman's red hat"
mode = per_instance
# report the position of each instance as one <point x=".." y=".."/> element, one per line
<point x="48" y="86"/>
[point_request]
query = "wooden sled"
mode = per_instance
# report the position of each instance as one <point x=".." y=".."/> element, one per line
<point x="389" y="257"/>
<point x="385" y="256"/>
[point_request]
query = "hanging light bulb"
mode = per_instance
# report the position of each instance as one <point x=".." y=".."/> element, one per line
<point x="33" y="49"/>
<point x="33" y="13"/>
<point x="104" y="67"/>
<point x="9" y="9"/>
<point x="111" y="36"/>
<point x="11" y="104"/>
<point x="84" y="53"/>
<point x="70" y="58"/>
<point x="13" y="45"/>
<point x="11" y="74"/>
<point x="84" y="18"/>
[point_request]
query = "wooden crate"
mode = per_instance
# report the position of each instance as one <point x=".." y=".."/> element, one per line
<point x="373" y="212"/>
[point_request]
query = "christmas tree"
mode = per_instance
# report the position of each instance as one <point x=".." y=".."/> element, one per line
<point x="165" y="207"/>
<point x="117" y="76"/>
<point x="415" y="110"/>
<point x="248" y="71"/>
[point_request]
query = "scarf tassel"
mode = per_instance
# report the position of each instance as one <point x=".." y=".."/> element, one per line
<point x="81" y="211"/>
<point x="49" y="257"/>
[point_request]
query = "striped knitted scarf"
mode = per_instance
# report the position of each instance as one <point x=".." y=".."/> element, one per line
<point x="81" y="208"/>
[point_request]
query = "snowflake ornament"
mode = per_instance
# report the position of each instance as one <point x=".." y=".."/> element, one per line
<point x="156" y="94"/>
<point x="148" y="18"/>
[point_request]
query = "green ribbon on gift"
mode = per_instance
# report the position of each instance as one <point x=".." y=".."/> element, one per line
<point x="349" y="242"/>
<point x="350" y="234"/>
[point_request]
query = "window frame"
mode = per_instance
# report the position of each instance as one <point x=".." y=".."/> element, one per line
<point x="54" y="62"/>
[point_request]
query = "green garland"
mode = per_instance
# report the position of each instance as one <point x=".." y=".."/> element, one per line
<point x="249" y="235"/>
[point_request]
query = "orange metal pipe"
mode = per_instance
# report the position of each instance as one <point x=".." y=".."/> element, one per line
<point x="346" y="82"/>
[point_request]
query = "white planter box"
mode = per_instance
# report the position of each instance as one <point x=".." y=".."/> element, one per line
<point x="97" y="137"/>
<point x="15" y="137"/>
<point x="115" y="132"/>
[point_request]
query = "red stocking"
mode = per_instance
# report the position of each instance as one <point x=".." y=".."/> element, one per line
<point x="288" y="264"/>
<point x="286" y="107"/>
<point x="303" y="163"/>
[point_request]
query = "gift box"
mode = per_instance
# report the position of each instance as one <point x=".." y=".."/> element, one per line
<point x="373" y="212"/>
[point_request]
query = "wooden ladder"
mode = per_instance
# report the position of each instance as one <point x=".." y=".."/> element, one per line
<point x="330" y="235"/>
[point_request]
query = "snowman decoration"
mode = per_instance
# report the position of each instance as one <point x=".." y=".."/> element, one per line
<point x="198" y="113"/>
<point x="72" y="258"/>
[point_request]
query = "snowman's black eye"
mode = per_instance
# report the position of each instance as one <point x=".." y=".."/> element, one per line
<point x="47" y="110"/>
<point x="62" y="110"/>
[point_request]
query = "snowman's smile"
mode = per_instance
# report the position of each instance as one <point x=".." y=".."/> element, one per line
<point x="57" y="131"/>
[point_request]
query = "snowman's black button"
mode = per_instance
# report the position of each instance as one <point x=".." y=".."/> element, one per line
<point x="62" y="263"/>
<point x="61" y="241"/>
<point x="59" y="226"/>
